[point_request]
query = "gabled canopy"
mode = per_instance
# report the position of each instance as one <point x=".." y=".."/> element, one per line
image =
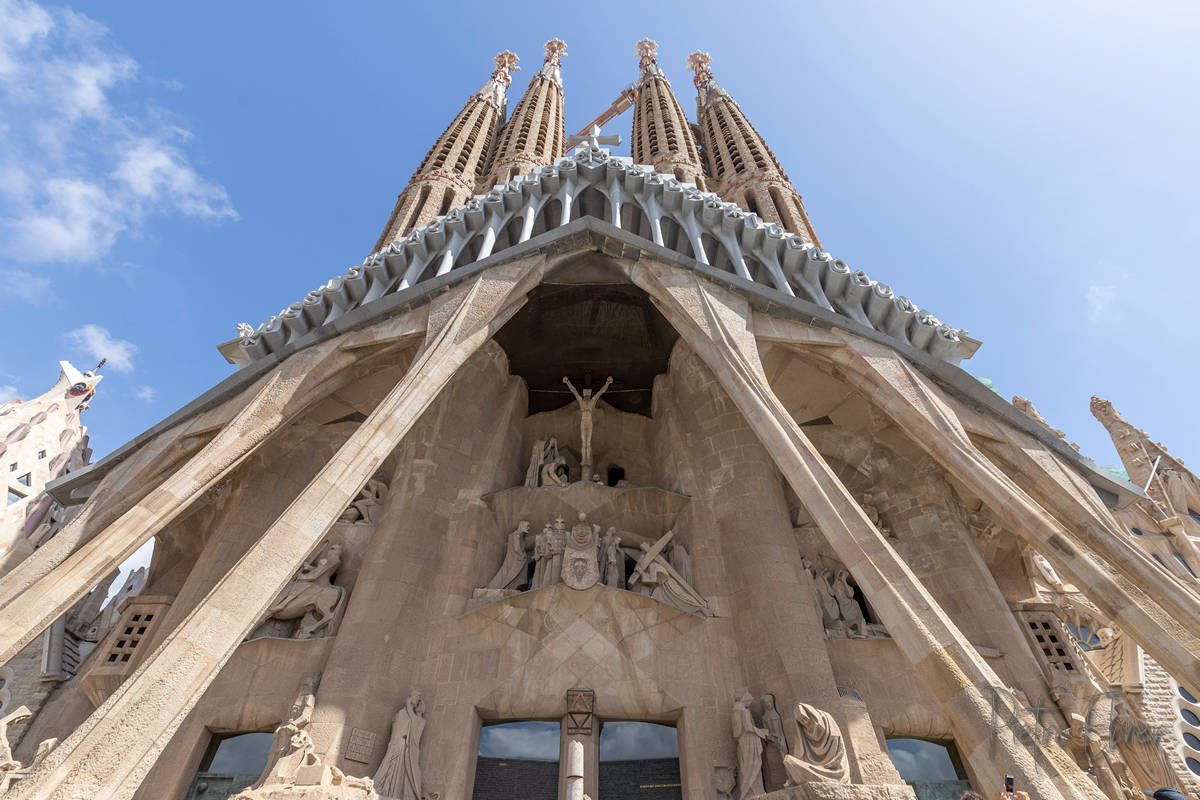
<point x="635" y="198"/>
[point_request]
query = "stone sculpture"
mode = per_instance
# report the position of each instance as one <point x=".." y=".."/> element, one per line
<point x="365" y="507"/>
<point x="587" y="408"/>
<point x="556" y="545"/>
<point x="293" y="747"/>
<point x="399" y="776"/>
<point x="868" y="507"/>
<point x="655" y="576"/>
<point x="515" y="566"/>
<point x="774" y="775"/>
<point x="9" y="765"/>
<point x="311" y="597"/>
<point x="819" y="754"/>
<point x="580" y="562"/>
<point x="553" y="472"/>
<point x="545" y="451"/>
<point x="1140" y="745"/>
<point x="853" y="619"/>
<point x="724" y="781"/>
<point x="541" y="549"/>
<point x="749" y="738"/>
<point x="612" y="560"/>
<point x="1049" y="574"/>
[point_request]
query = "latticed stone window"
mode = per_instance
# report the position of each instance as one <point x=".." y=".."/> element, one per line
<point x="131" y="633"/>
<point x="1052" y="642"/>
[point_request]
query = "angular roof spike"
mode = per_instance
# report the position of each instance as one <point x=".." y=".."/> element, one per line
<point x="700" y="63"/>
<point x="556" y="50"/>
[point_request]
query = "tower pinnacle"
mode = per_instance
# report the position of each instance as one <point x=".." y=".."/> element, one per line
<point x="494" y="90"/>
<point x="741" y="168"/>
<point x="662" y="135"/>
<point x="455" y="165"/>
<point x="534" y="134"/>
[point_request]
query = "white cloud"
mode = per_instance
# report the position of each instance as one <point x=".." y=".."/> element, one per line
<point x="146" y="394"/>
<point x="1099" y="298"/>
<point x="538" y="741"/>
<point x="81" y="164"/>
<point x="7" y="392"/>
<point x="98" y="343"/>
<point x="26" y="286"/>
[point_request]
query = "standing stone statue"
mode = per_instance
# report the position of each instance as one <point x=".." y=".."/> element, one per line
<point x="541" y="549"/>
<point x="513" y="570"/>
<point x="848" y="608"/>
<point x="831" y="616"/>
<point x="820" y="753"/>
<point x="311" y="597"/>
<point x="580" y="566"/>
<point x="612" y="560"/>
<point x="1141" y="746"/>
<point x="399" y="776"/>
<point x="774" y="774"/>
<point x="545" y="451"/>
<point x="749" y="738"/>
<point x="293" y="747"/>
<point x="587" y="407"/>
<point x="556" y="545"/>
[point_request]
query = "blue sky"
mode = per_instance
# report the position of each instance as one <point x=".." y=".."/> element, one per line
<point x="1026" y="170"/>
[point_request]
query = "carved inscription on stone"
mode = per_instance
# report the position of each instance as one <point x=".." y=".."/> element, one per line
<point x="360" y="745"/>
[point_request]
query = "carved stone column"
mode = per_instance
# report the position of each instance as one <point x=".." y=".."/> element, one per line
<point x="45" y="585"/>
<point x="581" y="738"/>
<point x="1116" y="584"/>
<point x="716" y="323"/>
<point x="112" y="751"/>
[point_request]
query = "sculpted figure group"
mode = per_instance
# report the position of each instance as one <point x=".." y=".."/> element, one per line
<point x="582" y="557"/>
<point x="819" y="754"/>
<point x="842" y="611"/>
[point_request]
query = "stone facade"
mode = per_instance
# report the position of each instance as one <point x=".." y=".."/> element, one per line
<point x="593" y="477"/>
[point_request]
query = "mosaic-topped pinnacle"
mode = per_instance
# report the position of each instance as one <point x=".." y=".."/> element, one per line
<point x="494" y="90"/>
<point x="647" y="50"/>
<point x="699" y="63"/>
<point x="555" y="49"/>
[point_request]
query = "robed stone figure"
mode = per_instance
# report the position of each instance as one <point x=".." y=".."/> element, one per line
<point x="749" y="738"/>
<point x="399" y="776"/>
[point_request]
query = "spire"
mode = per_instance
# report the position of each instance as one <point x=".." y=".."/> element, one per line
<point x="534" y="134"/>
<point x="741" y="167"/>
<point x="453" y="168"/>
<point x="1168" y="482"/>
<point x="662" y="135"/>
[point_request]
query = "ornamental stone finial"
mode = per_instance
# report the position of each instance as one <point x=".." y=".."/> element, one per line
<point x="555" y="49"/>
<point x="647" y="50"/>
<point x="506" y="62"/>
<point x="699" y="63"/>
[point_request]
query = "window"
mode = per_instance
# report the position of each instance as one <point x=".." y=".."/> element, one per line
<point x="639" y="760"/>
<point x="1161" y="563"/>
<point x="14" y="496"/>
<point x="1085" y="637"/>
<point x="1186" y="695"/>
<point x="1191" y="741"/>
<point x="12" y="467"/>
<point x="41" y="454"/>
<point x="131" y="636"/>
<point x="1189" y="717"/>
<point x="1194" y="515"/>
<point x="1137" y="531"/>
<point x="25" y="479"/>
<point x="1193" y="765"/>
<point x="1185" y="565"/>
<point x="1055" y="650"/>
<point x="233" y="762"/>
<point x="924" y="761"/>
<point x="518" y="759"/>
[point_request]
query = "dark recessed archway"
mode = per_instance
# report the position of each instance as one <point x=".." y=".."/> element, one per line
<point x="588" y="332"/>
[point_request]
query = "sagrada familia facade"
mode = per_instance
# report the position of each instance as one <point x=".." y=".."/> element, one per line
<point x="590" y="441"/>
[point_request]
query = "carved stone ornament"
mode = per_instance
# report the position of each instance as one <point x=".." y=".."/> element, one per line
<point x="819" y="754"/>
<point x="749" y="739"/>
<point x="365" y="508"/>
<point x="11" y="770"/>
<point x="581" y="558"/>
<point x="312" y="597"/>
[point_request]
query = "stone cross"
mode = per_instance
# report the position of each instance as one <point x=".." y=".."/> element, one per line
<point x="594" y="139"/>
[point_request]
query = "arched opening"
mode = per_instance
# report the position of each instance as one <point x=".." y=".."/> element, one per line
<point x="518" y="759"/>
<point x="634" y="220"/>
<point x="751" y="204"/>
<point x="447" y="200"/>
<point x="550" y="216"/>
<point x="616" y="474"/>
<point x="781" y="210"/>
<point x="470" y="251"/>
<point x="675" y="237"/>
<point x="681" y="175"/>
<point x="509" y="235"/>
<point x="592" y="203"/>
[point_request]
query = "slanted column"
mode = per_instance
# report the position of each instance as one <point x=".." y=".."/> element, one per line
<point x="53" y="578"/>
<point x="1121" y="585"/>
<point x="111" y="752"/>
<point x="715" y="323"/>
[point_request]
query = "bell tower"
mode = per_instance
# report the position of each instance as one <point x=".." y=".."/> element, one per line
<point x="456" y="162"/>
<point x="535" y="133"/>
<point x="662" y="135"/>
<point x="742" y="167"/>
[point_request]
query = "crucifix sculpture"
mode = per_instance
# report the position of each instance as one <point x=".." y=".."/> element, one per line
<point x="594" y="139"/>
<point x="587" y="407"/>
